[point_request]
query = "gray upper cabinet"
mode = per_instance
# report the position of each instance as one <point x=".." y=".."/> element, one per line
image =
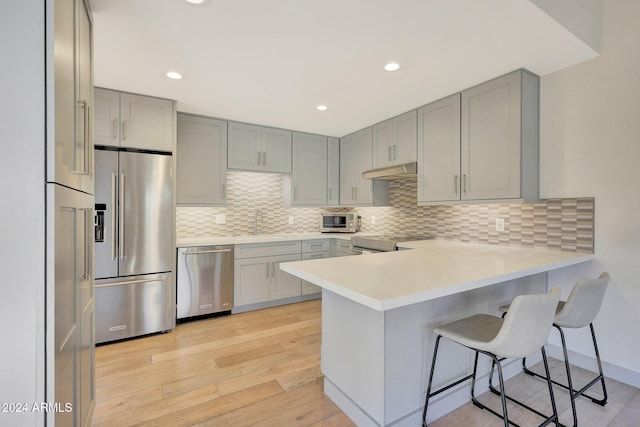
<point x="201" y="169"/>
<point x="439" y="151"/>
<point x="500" y="138"/>
<point x="333" y="171"/>
<point x="395" y="141"/>
<point x="498" y="154"/>
<point x="133" y="121"/>
<point x="355" y="158"/>
<point x="309" y="170"/>
<point x="258" y="148"/>
<point x="70" y="159"/>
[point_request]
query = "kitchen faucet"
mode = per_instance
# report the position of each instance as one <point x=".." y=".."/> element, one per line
<point x="258" y="214"/>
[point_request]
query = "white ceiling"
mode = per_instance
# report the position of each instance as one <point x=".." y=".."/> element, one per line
<point x="272" y="61"/>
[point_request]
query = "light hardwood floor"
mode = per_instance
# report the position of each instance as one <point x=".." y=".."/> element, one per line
<point x="263" y="368"/>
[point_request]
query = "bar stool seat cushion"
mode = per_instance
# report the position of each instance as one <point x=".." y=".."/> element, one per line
<point x="522" y="331"/>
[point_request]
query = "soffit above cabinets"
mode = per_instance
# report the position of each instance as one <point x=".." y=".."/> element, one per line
<point x="272" y="62"/>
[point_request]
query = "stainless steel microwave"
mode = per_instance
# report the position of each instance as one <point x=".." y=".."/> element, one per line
<point x="339" y="222"/>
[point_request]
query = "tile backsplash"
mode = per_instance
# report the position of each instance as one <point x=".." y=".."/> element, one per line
<point x="566" y="224"/>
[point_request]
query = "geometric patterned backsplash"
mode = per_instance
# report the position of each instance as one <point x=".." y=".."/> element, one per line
<point x="564" y="224"/>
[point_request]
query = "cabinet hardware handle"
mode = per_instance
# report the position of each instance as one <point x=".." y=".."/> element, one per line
<point x="124" y="130"/>
<point x="83" y="168"/>
<point x="131" y="282"/>
<point x="259" y="157"/>
<point x="210" y="251"/>
<point x="464" y="183"/>
<point x="389" y="153"/>
<point x="114" y="129"/>
<point x="356" y="193"/>
<point x="114" y="203"/>
<point x="318" y="255"/>
<point x="455" y="183"/>
<point x="121" y="225"/>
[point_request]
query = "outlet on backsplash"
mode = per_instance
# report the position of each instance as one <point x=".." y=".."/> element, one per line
<point x="499" y="224"/>
<point x="373" y="220"/>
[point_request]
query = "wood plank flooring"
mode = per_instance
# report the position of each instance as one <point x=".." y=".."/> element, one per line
<point x="262" y="368"/>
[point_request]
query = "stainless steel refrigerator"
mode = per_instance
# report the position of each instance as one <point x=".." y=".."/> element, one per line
<point x="133" y="243"/>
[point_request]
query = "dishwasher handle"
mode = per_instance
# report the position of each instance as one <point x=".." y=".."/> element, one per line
<point x="209" y="251"/>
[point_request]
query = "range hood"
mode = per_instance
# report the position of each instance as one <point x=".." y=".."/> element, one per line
<point x="407" y="170"/>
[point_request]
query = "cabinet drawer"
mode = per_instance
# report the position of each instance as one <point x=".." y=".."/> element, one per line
<point x="316" y="245"/>
<point x="267" y="249"/>
<point x="343" y="245"/>
<point x="316" y="255"/>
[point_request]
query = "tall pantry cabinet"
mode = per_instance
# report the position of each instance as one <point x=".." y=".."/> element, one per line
<point x="70" y="305"/>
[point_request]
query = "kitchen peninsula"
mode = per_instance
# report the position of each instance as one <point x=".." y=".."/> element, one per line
<point x="379" y="310"/>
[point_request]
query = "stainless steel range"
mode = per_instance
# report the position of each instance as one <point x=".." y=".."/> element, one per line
<point x="381" y="243"/>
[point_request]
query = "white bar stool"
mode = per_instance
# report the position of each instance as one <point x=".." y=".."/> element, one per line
<point x="521" y="332"/>
<point x="580" y="309"/>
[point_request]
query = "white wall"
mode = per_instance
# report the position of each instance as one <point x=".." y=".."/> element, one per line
<point x="590" y="146"/>
<point x="22" y="202"/>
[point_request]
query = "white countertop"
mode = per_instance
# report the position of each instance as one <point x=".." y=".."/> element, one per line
<point x="433" y="269"/>
<point x="260" y="238"/>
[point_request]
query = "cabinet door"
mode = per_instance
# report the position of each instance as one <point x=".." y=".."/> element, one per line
<point x="364" y="162"/>
<point x="308" y="287"/>
<point x="201" y="161"/>
<point x="251" y="281"/>
<point x="70" y="282"/>
<point x="309" y="169"/>
<point x="383" y="144"/>
<point x="283" y="285"/>
<point x="333" y="171"/>
<point x="347" y="170"/>
<point x="276" y="150"/>
<point x="63" y="155"/>
<point x="244" y="149"/>
<point x="404" y="145"/>
<point x="146" y="122"/>
<point x="84" y="96"/>
<point x="439" y="150"/>
<point x="106" y="117"/>
<point x="491" y="139"/>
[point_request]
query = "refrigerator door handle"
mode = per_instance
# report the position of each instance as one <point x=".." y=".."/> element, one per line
<point x="131" y="282"/>
<point x="114" y="204"/>
<point x="121" y="216"/>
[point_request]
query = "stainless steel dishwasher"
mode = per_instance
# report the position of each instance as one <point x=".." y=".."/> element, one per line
<point x="205" y="280"/>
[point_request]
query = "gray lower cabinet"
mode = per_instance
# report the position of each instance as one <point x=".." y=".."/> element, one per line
<point x="201" y="161"/>
<point x="257" y="274"/>
<point x="72" y="307"/>
<point x="314" y="249"/>
<point x="341" y="247"/>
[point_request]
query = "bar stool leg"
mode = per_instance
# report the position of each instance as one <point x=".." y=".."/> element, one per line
<point x="574" y="394"/>
<point x="503" y="396"/>
<point x="433" y="365"/>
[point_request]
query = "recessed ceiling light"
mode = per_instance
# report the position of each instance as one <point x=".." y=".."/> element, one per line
<point x="173" y="75"/>
<point x="392" y="66"/>
<point x="321" y="107"/>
